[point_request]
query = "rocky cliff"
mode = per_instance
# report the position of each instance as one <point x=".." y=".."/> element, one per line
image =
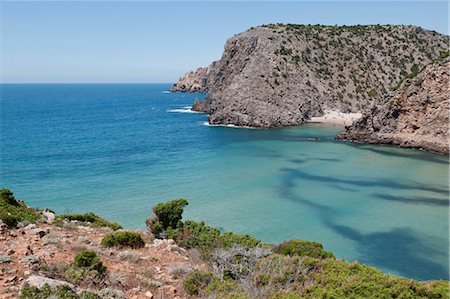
<point x="415" y="115"/>
<point x="192" y="81"/>
<point x="281" y="75"/>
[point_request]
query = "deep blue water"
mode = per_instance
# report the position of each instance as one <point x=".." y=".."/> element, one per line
<point x="119" y="149"/>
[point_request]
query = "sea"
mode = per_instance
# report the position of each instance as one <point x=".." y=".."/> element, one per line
<point x="119" y="149"/>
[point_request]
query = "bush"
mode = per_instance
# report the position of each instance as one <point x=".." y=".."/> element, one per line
<point x="46" y="292"/>
<point x="167" y="215"/>
<point x="91" y="218"/>
<point x="13" y="212"/>
<point x="88" y="259"/>
<point x="8" y="197"/>
<point x="196" y="281"/>
<point x="194" y="234"/>
<point x="123" y="239"/>
<point x="302" y="248"/>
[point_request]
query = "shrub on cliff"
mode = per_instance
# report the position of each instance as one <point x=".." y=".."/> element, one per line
<point x="13" y="211"/>
<point x="62" y="291"/>
<point x="196" y="281"/>
<point x="88" y="259"/>
<point x="88" y="218"/>
<point x="123" y="239"/>
<point x="166" y="216"/>
<point x="280" y="276"/>
<point x="194" y="234"/>
<point x="166" y="222"/>
<point x="302" y="248"/>
<point x="87" y="268"/>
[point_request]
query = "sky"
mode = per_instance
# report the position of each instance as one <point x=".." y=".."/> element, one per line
<point x="155" y="42"/>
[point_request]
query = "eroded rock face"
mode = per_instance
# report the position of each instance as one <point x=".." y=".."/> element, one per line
<point x="416" y="115"/>
<point x="192" y="81"/>
<point x="281" y="75"/>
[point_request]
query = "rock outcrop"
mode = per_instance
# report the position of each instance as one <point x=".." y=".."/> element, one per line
<point x="282" y="75"/>
<point x="192" y="81"/>
<point x="415" y="115"/>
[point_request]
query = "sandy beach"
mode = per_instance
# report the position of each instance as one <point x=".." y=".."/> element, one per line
<point x="336" y="117"/>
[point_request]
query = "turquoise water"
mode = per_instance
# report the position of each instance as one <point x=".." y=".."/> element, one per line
<point x="119" y="149"/>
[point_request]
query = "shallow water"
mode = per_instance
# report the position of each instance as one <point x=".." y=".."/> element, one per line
<point x="119" y="149"/>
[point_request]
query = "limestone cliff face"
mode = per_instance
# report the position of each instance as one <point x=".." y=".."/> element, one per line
<point x="192" y="81"/>
<point x="416" y="115"/>
<point x="281" y="75"/>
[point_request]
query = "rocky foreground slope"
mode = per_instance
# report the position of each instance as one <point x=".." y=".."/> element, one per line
<point x="281" y="75"/>
<point x="43" y="255"/>
<point x="415" y="115"/>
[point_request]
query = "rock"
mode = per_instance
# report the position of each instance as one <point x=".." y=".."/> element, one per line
<point x="171" y="291"/>
<point x="11" y="279"/>
<point x="192" y="81"/>
<point x="40" y="232"/>
<point x="3" y="226"/>
<point x="30" y="226"/>
<point x="176" y="248"/>
<point x="110" y="293"/>
<point x="148" y="294"/>
<point x="24" y="224"/>
<point x="40" y="281"/>
<point x="415" y="115"/>
<point x="282" y="75"/>
<point x="5" y="259"/>
<point x="84" y="240"/>
<point x="49" y="216"/>
<point x="31" y="259"/>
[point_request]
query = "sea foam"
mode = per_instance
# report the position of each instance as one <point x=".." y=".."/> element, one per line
<point x="184" y="109"/>
<point x="228" y="126"/>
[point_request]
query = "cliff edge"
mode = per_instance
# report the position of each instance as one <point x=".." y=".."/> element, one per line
<point x="192" y="81"/>
<point x="415" y="115"/>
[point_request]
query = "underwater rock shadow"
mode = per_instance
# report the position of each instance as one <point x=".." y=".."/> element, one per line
<point x="299" y="174"/>
<point x="412" y="153"/>
<point x="402" y="252"/>
<point x="413" y="200"/>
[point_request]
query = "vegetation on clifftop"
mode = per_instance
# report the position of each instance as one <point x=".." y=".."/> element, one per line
<point x="88" y="218"/>
<point x="13" y="211"/>
<point x="243" y="267"/>
<point x="238" y="266"/>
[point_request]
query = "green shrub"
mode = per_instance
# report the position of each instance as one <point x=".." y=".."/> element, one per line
<point x="89" y="295"/>
<point x="166" y="216"/>
<point x="123" y="239"/>
<point x="302" y="248"/>
<point x="88" y="259"/>
<point x="64" y="292"/>
<point x="91" y="218"/>
<point x="196" y="281"/>
<point x="372" y="93"/>
<point x="194" y="234"/>
<point x="289" y="295"/>
<point x="13" y="212"/>
<point x="8" y="197"/>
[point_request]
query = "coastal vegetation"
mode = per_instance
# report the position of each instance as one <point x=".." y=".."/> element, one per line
<point x="123" y="239"/>
<point x="243" y="267"/>
<point x="88" y="218"/>
<point x="13" y="211"/>
<point x="232" y="265"/>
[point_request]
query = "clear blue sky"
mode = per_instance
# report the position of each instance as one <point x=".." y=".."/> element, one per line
<point x="159" y="41"/>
